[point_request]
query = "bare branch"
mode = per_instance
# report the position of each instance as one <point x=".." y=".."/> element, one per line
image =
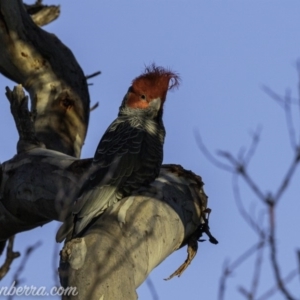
<point x="209" y="156"/>
<point x="273" y="256"/>
<point x="54" y="264"/>
<point x="298" y="70"/>
<point x="289" y="120"/>
<point x="269" y="293"/>
<point x="222" y="284"/>
<point x="152" y="289"/>
<point x="10" y="257"/>
<point x="16" y="278"/>
<point x="29" y="250"/>
<point x="247" y="217"/>
<point x="288" y="176"/>
<point x="285" y="102"/>
<point x="31" y="181"/>
<point x="50" y="73"/>
<point x="240" y="169"/>
<point x="255" y="140"/>
<point x="229" y="268"/>
<point x="94" y="106"/>
<point x="298" y="257"/>
<point x="277" y="98"/>
<point x="93" y="75"/>
<point x="257" y="270"/>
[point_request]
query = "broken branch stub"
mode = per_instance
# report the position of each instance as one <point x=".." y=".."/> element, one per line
<point x="24" y="119"/>
<point x="42" y="14"/>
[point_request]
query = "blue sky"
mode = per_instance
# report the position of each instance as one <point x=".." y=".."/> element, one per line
<point x="225" y="51"/>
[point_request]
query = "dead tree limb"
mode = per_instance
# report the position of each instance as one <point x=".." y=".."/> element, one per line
<point x="50" y="73"/>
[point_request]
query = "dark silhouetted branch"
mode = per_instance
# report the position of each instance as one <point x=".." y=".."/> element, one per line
<point x="152" y="289"/>
<point x="209" y="156"/>
<point x="229" y="268"/>
<point x="10" y="257"/>
<point x="92" y="75"/>
<point x="273" y="255"/>
<point x="269" y="293"/>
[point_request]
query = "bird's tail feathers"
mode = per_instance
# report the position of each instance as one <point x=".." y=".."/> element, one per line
<point x="65" y="229"/>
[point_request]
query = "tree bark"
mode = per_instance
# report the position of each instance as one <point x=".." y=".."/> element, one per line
<point x="117" y="253"/>
<point x="50" y="73"/>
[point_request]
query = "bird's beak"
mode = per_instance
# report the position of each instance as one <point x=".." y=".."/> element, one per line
<point x="155" y="103"/>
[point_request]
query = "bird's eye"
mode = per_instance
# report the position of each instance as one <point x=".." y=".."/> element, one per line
<point x="143" y="97"/>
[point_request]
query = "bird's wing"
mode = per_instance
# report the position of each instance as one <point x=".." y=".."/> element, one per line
<point x="118" y="156"/>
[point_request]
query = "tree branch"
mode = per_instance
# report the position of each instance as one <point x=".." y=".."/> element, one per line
<point x="269" y="293"/>
<point x="50" y="73"/>
<point x="273" y="256"/>
<point x="30" y="184"/>
<point x="133" y="236"/>
<point x="10" y="257"/>
<point x="24" y="119"/>
<point x="42" y="14"/>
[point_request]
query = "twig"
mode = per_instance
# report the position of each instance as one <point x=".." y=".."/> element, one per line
<point x="255" y="140"/>
<point x="274" y="289"/>
<point x="209" y="156"/>
<point x="28" y="252"/>
<point x="93" y="75"/>
<point x="277" y="98"/>
<point x="152" y="289"/>
<point x="288" y="176"/>
<point x="241" y="170"/>
<point x="257" y="270"/>
<point x="54" y="264"/>
<point x="273" y="255"/>
<point x="10" y="256"/>
<point x="228" y="269"/>
<point x="222" y="285"/>
<point x="298" y="256"/>
<point x="247" y="217"/>
<point x="289" y="119"/>
<point x="94" y="106"/>
<point x="298" y="70"/>
<point x="285" y="102"/>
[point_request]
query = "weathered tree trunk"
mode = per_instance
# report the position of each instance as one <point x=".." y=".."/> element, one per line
<point x="118" y="251"/>
<point x="131" y="238"/>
